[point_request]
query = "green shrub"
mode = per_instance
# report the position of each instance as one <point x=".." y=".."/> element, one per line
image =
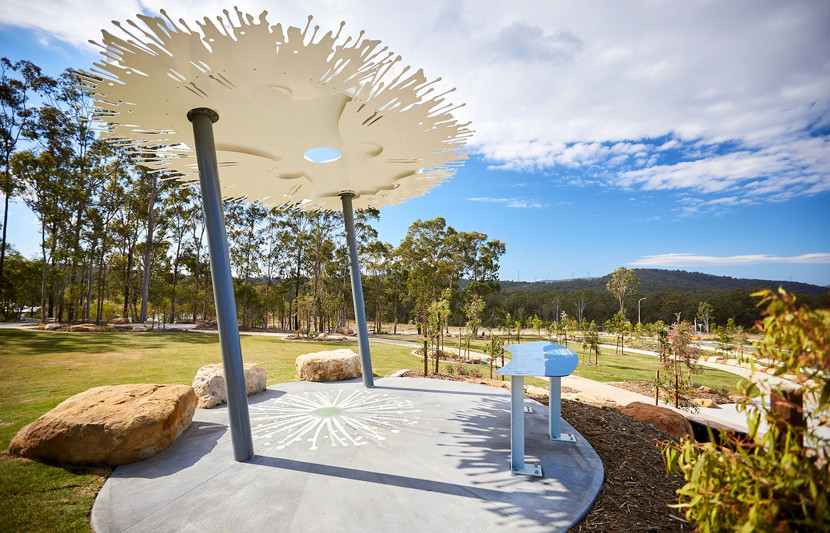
<point x="778" y="481"/>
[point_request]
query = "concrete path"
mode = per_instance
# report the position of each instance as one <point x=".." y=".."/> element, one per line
<point x="409" y="455"/>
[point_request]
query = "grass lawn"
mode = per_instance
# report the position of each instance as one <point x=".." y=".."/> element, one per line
<point x="638" y="367"/>
<point x="39" y="370"/>
<point x="630" y="367"/>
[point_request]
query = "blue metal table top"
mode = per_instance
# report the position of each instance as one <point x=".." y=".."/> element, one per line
<point x="539" y="359"/>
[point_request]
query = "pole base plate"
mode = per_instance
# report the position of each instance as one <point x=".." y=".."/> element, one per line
<point x="564" y="437"/>
<point x="526" y="470"/>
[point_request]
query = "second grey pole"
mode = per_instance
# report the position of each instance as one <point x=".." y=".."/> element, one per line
<point x="357" y="292"/>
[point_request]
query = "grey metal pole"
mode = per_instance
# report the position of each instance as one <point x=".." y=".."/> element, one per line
<point x="554" y="407"/>
<point x="357" y="292"/>
<point x="220" y="269"/>
<point x="517" y="424"/>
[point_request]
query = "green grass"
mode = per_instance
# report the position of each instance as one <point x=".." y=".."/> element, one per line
<point x="612" y="367"/>
<point x="39" y="370"/>
<point x="637" y="367"/>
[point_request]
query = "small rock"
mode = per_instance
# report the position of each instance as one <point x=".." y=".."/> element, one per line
<point x="209" y="383"/>
<point x="86" y="327"/>
<point x="665" y="419"/>
<point x="331" y="337"/>
<point x="704" y="389"/>
<point x="332" y="365"/>
<point x="705" y="402"/>
<point x="110" y="425"/>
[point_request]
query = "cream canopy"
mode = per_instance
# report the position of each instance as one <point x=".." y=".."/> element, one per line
<point x="279" y="93"/>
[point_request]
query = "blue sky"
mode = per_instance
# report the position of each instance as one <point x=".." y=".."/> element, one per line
<point x="693" y="136"/>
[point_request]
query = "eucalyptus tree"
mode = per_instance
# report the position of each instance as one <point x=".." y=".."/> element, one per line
<point x="704" y="314"/>
<point x="323" y="224"/>
<point x="246" y="240"/>
<point x="378" y="256"/>
<point x="425" y="252"/>
<point x="481" y="261"/>
<point x="44" y="195"/>
<point x="149" y="244"/>
<point x="69" y="115"/>
<point x="623" y="284"/>
<point x="579" y="302"/>
<point x="180" y="212"/>
<point x="19" y="82"/>
<point x="294" y="230"/>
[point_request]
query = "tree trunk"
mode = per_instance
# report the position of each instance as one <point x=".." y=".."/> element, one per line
<point x="175" y="282"/>
<point x="196" y="274"/>
<point x="127" y="281"/>
<point x="3" y="244"/>
<point x="148" y="251"/>
<point x="45" y="270"/>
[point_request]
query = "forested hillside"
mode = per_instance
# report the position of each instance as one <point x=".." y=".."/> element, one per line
<point x="665" y="293"/>
<point x="653" y="280"/>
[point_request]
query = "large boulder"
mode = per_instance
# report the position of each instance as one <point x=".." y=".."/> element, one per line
<point x="332" y="365"/>
<point x="86" y="327"/>
<point x="111" y="425"/>
<point x="52" y="327"/>
<point x="120" y="321"/>
<point x="209" y="383"/>
<point x="665" y="419"/>
<point x="344" y="331"/>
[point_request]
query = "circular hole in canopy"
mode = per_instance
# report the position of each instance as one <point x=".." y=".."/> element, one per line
<point x="322" y="154"/>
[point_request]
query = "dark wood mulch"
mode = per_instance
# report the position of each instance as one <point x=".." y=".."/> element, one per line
<point x="637" y="492"/>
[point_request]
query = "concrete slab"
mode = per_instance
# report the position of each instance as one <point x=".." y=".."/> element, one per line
<point x="408" y="455"/>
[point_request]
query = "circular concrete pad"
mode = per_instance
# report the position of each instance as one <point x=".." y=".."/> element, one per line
<point x="407" y="455"/>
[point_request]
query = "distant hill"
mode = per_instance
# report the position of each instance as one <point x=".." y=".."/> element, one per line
<point x="654" y="280"/>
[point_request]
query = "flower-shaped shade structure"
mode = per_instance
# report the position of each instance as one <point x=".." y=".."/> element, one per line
<point x="280" y="93"/>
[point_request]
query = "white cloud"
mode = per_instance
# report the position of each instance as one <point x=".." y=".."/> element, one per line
<point x="692" y="260"/>
<point x="510" y="202"/>
<point x="558" y="83"/>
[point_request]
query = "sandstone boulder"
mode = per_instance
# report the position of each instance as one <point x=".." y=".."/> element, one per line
<point x="110" y="425"/>
<point x="705" y="402"/>
<point x="86" y="327"/>
<point x="120" y="320"/>
<point x="331" y="337"/>
<point x="52" y="327"/>
<point x="665" y="419"/>
<point x="332" y="365"/>
<point x="139" y="328"/>
<point x="344" y="331"/>
<point x="209" y="383"/>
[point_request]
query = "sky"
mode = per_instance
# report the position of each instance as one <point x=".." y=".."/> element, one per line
<point x="684" y="135"/>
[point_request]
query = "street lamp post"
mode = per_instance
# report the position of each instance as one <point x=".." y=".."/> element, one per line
<point x="638" y="309"/>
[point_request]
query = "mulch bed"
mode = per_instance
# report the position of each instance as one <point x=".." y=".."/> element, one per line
<point x="637" y="492"/>
<point x="646" y="388"/>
